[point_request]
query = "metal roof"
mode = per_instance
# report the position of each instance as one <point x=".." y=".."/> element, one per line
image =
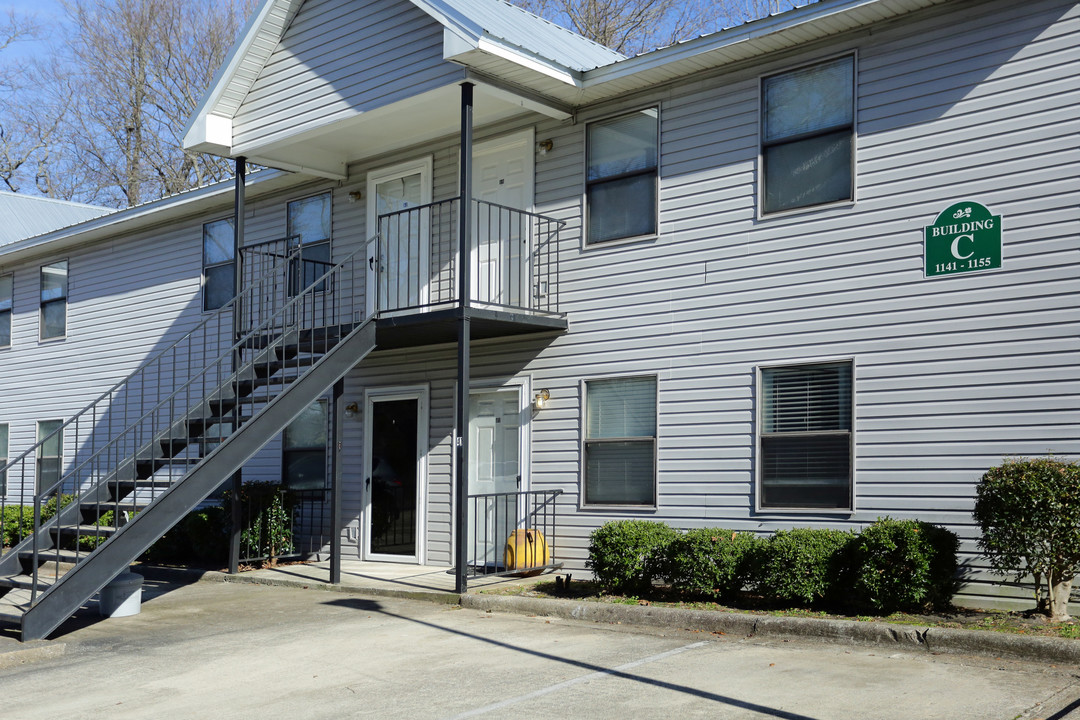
<point x="519" y="27"/>
<point x="24" y="216"/>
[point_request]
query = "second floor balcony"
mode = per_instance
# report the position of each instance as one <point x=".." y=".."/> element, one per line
<point x="414" y="282"/>
<point x="407" y="277"/>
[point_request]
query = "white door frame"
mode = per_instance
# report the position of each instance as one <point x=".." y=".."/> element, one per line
<point x="423" y="166"/>
<point x="420" y="393"/>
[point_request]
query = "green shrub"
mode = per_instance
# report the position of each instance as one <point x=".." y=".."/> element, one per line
<point x="800" y="566"/>
<point x="710" y="561"/>
<point x="18" y="520"/>
<point x="1029" y="513"/>
<point x="900" y="565"/>
<point x="625" y="555"/>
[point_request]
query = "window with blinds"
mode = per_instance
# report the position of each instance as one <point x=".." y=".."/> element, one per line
<point x="303" y="455"/>
<point x="804" y="450"/>
<point x="620" y="441"/>
<point x="620" y="176"/>
<point x="808" y="122"/>
<point x="49" y="453"/>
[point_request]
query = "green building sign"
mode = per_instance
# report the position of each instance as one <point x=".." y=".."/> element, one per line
<point x="964" y="238"/>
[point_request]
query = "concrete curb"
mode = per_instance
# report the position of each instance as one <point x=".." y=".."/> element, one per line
<point x="24" y="655"/>
<point x="840" y="632"/>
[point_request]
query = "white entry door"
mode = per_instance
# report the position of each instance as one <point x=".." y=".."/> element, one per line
<point x="398" y="260"/>
<point x="494" y="467"/>
<point x="503" y="176"/>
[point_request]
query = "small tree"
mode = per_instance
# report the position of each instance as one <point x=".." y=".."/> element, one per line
<point x="1029" y="513"/>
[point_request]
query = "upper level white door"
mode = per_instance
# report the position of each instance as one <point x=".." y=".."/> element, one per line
<point x="502" y="175"/>
<point x="399" y="260"/>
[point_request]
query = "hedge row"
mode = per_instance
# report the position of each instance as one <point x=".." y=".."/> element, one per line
<point x="891" y="565"/>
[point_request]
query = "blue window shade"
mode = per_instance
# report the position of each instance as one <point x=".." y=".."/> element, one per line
<point x="620" y="441"/>
<point x="805" y="450"/>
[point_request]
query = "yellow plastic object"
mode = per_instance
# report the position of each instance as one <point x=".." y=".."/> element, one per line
<point x="526" y="549"/>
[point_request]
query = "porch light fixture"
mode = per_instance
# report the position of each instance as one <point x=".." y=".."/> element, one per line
<point x="352" y="410"/>
<point x="355" y="196"/>
<point x="540" y="400"/>
<point x="545" y="146"/>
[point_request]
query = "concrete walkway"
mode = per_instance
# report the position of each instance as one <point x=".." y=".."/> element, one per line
<point x="435" y="584"/>
<point x="231" y="650"/>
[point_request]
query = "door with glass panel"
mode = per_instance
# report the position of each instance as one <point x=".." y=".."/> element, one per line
<point x="393" y="470"/>
<point x="494" y="473"/>
<point x="399" y="259"/>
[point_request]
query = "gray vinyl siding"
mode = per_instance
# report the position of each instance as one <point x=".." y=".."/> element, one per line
<point x="951" y="374"/>
<point x="340" y="58"/>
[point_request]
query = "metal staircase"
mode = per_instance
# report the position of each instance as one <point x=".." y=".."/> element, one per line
<point x="157" y="444"/>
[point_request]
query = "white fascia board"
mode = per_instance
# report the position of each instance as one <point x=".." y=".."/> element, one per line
<point x="210" y="133"/>
<point x="746" y="33"/>
<point x="493" y="46"/>
<point x="226" y="72"/>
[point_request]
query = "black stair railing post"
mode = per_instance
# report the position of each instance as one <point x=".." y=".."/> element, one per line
<point x="335" y="480"/>
<point x="238" y="278"/>
<point x="462" y="419"/>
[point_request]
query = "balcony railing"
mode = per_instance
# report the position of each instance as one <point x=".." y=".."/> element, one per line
<point x="514" y="258"/>
<point x="512" y="532"/>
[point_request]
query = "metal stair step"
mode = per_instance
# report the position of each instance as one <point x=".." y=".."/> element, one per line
<point x="145" y="468"/>
<point x="83" y="530"/>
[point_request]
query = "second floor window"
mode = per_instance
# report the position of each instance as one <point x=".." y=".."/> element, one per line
<point x="808" y="125"/>
<point x="54" y="293"/>
<point x="7" y="292"/>
<point x="219" y="268"/>
<point x="621" y="176"/>
<point x="309" y="226"/>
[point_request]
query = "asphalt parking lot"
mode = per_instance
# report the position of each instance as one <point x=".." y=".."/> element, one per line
<point x="223" y="650"/>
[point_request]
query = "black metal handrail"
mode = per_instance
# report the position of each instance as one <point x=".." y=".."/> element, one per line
<point x="512" y="532"/>
<point x="514" y="255"/>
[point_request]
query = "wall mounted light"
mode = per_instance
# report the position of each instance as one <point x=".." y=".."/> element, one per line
<point x="352" y="410"/>
<point x="540" y="400"/>
<point x="545" y="146"/>
<point x="355" y="196"/>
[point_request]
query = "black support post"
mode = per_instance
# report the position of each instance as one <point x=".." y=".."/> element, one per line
<point x="462" y="420"/>
<point x="238" y="278"/>
<point x="335" y="479"/>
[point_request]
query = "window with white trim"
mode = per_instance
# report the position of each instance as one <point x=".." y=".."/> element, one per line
<point x="49" y="453"/>
<point x="804" y="439"/>
<point x="3" y="458"/>
<point x="621" y="176"/>
<point x="54" y="294"/>
<point x="219" y="263"/>
<point x="308" y="225"/>
<point x="303" y="457"/>
<point x="620" y="441"/>
<point x="808" y="126"/>
<point x="7" y="297"/>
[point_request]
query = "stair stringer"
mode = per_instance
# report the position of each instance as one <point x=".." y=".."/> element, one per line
<point x="126" y="470"/>
<point x="79" y="584"/>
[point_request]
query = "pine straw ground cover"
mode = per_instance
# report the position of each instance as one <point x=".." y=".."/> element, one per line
<point x="1017" y="622"/>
